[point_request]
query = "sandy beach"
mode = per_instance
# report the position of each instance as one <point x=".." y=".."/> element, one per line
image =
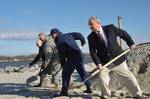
<point x="13" y="86"/>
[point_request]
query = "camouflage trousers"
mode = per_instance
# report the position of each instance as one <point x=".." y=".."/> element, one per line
<point x="53" y="68"/>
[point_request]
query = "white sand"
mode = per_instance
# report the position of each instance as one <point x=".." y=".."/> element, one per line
<point x="13" y="86"/>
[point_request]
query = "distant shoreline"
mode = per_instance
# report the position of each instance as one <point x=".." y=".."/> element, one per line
<point x="17" y="58"/>
<point x="30" y="57"/>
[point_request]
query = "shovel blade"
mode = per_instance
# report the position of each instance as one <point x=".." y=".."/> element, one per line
<point x="31" y="79"/>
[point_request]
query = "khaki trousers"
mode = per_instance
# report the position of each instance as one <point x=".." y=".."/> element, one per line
<point x="124" y="74"/>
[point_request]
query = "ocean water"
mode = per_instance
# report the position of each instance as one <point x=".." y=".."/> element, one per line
<point x="86" y="57"/>
<point x="14" y="64"/>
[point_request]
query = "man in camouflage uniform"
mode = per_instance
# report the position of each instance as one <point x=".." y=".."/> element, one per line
<point x="51" y="63"/>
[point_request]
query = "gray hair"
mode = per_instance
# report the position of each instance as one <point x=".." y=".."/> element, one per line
<point x="42" y="35"/>
<point x="93" y="18"/>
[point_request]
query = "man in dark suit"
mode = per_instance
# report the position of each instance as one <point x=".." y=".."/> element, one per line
<point x="104" y="47"/>
<point x="70" y="57"/>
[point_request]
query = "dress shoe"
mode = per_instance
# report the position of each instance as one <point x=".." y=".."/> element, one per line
<point x="139" y="97"/>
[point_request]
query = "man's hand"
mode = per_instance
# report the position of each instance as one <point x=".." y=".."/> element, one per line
<point x="133" y="46"/>
<point x="99" y="66"/>
<point x="83" y="43"/>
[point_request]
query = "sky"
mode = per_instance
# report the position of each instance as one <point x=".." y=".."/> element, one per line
<point x="22" y="20"/>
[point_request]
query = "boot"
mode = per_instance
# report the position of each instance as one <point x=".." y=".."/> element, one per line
<point x="88" y="90"/>
<point x="38" y="85"/>
<point x="62" y="93"/>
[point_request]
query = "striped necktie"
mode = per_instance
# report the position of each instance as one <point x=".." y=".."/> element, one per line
<point x="103" y="37"/>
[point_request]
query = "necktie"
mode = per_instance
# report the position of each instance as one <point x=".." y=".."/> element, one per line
<point x="102" y="36"/>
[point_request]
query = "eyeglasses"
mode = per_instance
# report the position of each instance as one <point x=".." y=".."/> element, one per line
<point x="40" y="38"/>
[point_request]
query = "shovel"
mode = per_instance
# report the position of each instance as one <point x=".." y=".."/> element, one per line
<point x="33" y="78"/>
<point x="97" y="71"/>
<point x="94" y="72"/>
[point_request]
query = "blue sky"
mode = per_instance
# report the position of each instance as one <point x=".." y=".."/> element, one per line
<point x="22" y="20"/>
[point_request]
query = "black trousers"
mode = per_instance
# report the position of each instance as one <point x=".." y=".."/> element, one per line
<point x="74" y="60"/>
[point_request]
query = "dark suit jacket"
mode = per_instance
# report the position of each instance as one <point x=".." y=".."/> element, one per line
<point x="66" y="42"/>
<point x="102" y="54"/>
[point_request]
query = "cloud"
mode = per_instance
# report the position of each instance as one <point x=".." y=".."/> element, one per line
<point x="18" y="35"/>
<point x="4" y="20"/>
